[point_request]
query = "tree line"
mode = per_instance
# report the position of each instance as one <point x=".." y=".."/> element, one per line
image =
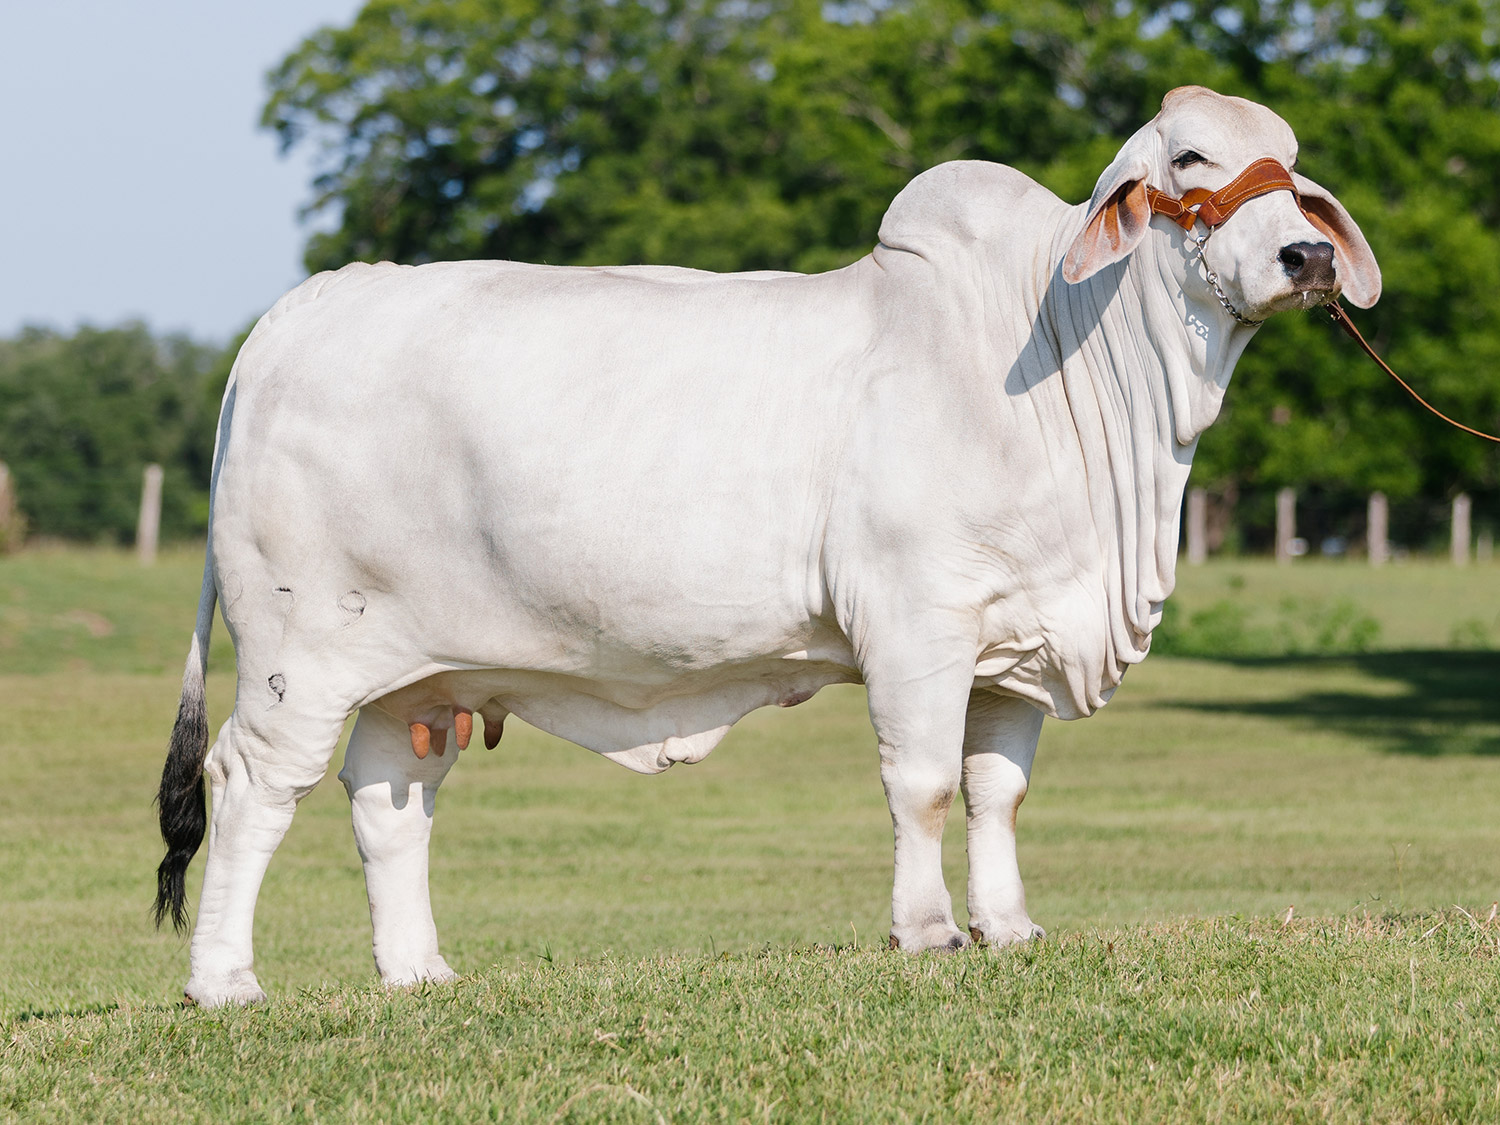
<point x="772" y="134"/>
<point x="82" y="413"/>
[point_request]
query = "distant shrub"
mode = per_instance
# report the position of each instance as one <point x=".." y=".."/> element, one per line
<point x="1230" y="628"/>
<point x="1471" y="633"/>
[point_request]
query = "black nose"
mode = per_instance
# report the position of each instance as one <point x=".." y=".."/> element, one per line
<point x="1308" y="264"/>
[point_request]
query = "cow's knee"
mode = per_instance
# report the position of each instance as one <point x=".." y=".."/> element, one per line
<point x="994" y="787"/>
<point x="920" y="794"/>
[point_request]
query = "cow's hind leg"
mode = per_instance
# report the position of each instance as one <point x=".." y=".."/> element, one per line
<point x="257" y="770"/>
<point x="391" y="792"/>
<point x="1000" y="740"/>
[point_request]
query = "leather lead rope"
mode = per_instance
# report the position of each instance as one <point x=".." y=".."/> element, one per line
<point x="1341" y="318"/>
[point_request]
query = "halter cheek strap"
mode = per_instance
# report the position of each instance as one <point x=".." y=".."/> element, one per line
<point x="1212" y="209"/>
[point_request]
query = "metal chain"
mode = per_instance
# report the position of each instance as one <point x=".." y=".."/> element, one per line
<point x="1201" y="242"/>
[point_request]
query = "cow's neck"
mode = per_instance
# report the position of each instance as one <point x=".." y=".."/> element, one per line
<point x="1145" y="379"/>
<point x="1197" y="342"/>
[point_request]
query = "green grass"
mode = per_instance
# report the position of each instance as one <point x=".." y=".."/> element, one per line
<point x="95" y="609"/>
<point x="1214" y="1021"/>
<point x="707" y="944"/>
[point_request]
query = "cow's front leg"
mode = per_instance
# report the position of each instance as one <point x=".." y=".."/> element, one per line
<point x="918" y="714"/>
<point x="391" y="793"/>
<point x="1000" y="740"/>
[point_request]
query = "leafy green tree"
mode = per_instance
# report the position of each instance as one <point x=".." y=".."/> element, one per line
<point x="729" y="134"/>
<point x="82" y="415"/>
<point x="712" y="133"/>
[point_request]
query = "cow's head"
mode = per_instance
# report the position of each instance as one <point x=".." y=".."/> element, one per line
<point x="1271" y="254"/>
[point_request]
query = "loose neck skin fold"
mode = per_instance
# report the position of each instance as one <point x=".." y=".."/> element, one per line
<point x="1145" y="360"/>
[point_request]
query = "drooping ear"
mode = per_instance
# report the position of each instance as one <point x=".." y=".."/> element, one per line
<point x="1119" y="215"/>
<point x="1353" y="257"/>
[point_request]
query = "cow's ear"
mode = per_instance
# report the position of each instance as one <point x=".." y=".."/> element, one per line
<point x="1119" y="214"/>
<point x="1358" y="270"/>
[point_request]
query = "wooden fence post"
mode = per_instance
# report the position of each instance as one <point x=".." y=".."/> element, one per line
<point x="1286" y="523"/>
<point x="1197" y="527"/>
<point x="148" y="527"/>
<point x="1378" y="529"/>
<point x="10" y="523"/>
<point x="1461" y="509"/>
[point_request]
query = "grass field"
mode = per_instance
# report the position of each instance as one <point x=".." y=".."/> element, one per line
<point x="708" y="944"/>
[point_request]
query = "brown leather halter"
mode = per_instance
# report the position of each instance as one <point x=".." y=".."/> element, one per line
<point x="1213" y="208"/>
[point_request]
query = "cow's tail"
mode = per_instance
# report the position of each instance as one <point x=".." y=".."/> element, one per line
<point x="180" y="802"/>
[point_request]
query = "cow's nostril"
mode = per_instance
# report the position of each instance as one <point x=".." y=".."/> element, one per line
<point x="1309" y="264"/>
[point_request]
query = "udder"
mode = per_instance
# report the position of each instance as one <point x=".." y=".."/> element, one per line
<point x="430" y="734"/>
<point x="645" y="728"/>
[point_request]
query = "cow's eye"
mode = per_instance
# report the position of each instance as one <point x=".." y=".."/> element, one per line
<point x="1185" y="159"/>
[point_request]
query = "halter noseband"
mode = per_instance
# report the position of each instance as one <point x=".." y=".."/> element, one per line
<point x="1213" y="209"/>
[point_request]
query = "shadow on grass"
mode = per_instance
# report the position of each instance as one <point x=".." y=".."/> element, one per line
<point x="44" y="1015"/>
<point x="1450" y="705"/>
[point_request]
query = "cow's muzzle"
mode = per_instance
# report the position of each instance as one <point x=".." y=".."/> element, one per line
<point x="1309" y="265"/>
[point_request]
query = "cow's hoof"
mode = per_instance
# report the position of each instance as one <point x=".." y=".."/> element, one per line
<point x="929" y="939"/>
<point x="998" y="935"/>
<point x="238" y="988"/>
<point x="435" y="971"/>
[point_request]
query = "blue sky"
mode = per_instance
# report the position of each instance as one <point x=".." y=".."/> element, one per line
<point x="135" y="181"/>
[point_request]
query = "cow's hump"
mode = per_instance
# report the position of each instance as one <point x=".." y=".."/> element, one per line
<point x="962" y="202"/>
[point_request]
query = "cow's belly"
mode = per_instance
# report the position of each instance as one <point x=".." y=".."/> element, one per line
<point x="646" y="727"/>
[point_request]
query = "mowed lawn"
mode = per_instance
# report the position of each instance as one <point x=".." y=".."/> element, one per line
<point x="709" y="944"/>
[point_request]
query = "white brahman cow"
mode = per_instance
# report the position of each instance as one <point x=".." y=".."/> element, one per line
<point x="631" y="505"/>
